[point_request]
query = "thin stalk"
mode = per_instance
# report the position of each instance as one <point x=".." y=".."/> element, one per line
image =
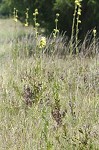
<point x="73" y="27"/>
<point x="77" y="31"/>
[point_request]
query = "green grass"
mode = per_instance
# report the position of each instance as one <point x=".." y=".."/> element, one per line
<point x="48" y="102"/>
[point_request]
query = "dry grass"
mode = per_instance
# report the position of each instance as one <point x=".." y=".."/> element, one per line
<point x="48" y="103"/>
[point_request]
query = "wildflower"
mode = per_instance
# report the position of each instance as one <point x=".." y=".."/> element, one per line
<point x="78" y="2"/>
<point x="55" y="31"/>
<point x="42" y="43"/>
<point x="56" y="20"/>
<point x="79" y="21"/>
<point x="15" y="13"/>
<point x="37" y="24"/>
<point x="36" y="11"/>
<point x="79" y="12"/>
<point x="57" y="15"/>
<point x="27" y="16"/>
<point x="15" y="19"/>
<point x="94" y="31"/>
<point x="26" y="24"/>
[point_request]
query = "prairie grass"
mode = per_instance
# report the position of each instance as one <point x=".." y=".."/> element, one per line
<point x="51" y="101"/>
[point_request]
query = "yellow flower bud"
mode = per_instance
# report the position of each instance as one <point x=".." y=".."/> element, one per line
<point x="57" y="15"/>
<point x="94" y="31"/>
<point x="79" y="12"/>
<point x="37" y="24"/>
<point x="36" y="11"/>
<point x="15" y="19"/>
<point x="42" y="42"/>
<point x="79" y="21"/>
<point x="26" y="24"/>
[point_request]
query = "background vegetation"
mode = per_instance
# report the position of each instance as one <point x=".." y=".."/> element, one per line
<point x="47" y="10"/>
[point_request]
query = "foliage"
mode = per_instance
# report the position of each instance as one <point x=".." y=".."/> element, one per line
<point x="48" y="9"/>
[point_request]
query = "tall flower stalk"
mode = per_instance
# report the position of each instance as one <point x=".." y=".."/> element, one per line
<point x="26" y="18"/>
<point x="73" y="30"/>
<point x="26" y="25"/>
<point x="75" y="26"/>
<point x="36" y="25"/>
<point x="15" y="50"/>
<point x="78" y="3"/>
<point x="56" y="30"/>
<point x="94" y="39"/>
<point x="15" y="15"/>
